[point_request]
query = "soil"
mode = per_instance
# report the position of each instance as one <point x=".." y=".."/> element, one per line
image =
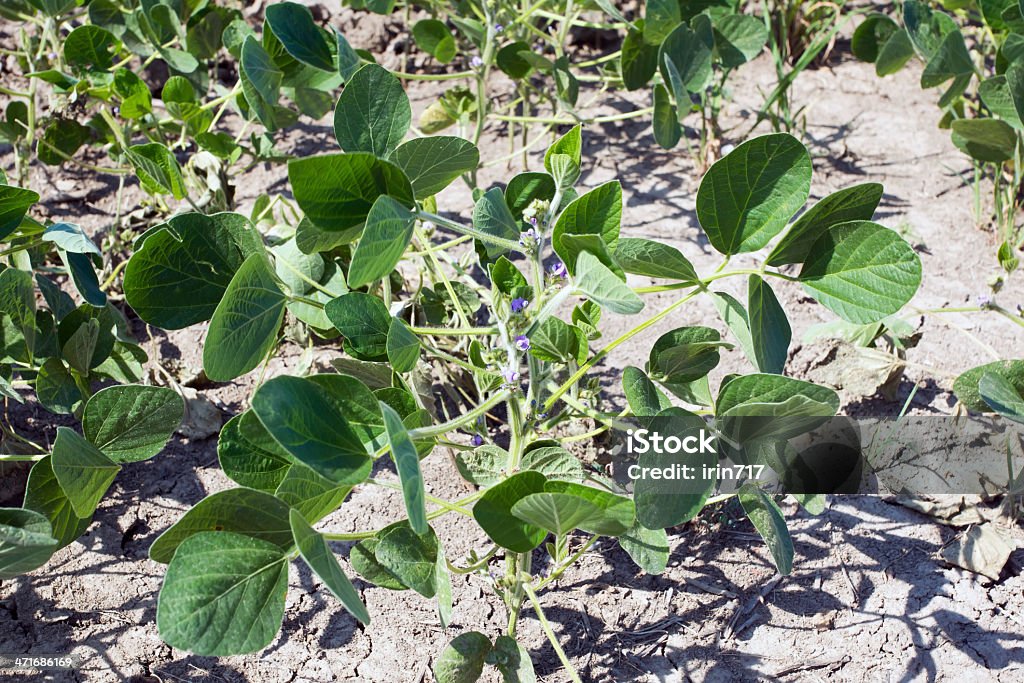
<point x="869" y="597"/>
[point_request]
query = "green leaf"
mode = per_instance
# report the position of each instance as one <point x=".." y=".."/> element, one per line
<point x="734" y="315"/>
<point x="857" y="203"/>
<point x="407" y="462"/>
<point x="61" y="139"/>
<point x="927" y="27"/>
<point x="749" y="195"/>
<point x="770" y="333"/>
<point x="317" y="554"/>
<point x="667" y="131"/>
<point x="493" y="512"/>
<point x="83" y="472"/>
<point x="403" y="347"/>
<point x="434" y="38"/>
<point x="767" y="519"/>
<point x="565" y="506"/>
<point x="1002" y="396"/>
<point x="364" y="321"/>
<point x="861" y="271"/>
<point x="310" y="424"/>
<point x="295" y="269"/>
<point x="336" y="191"/>
<point x="223" y="594"/>
<point x="492" y="216"/>
<point x="432" y="163"/>
<point x="157" y="169"/>
<point x="508" y="279"/>
<point x="739" y="38"/>
<point x="56" y="388"/>
<point x="373" y="112"/>
<point x="463" y="659"/>
<point x="483" y="466"/>
<point x="951" y="61"/>
<point x="525" y="188"/>
<point x="596" y="281"/>
<point x="132" y="423"/>
<point x="90" y="48"/>
<point x="988" y="140"/>
<point x="411" y="557"/>
<point x="766" y="388"/>
<point x="653" y="259"/>
<point x="389" y="227"/>
<point x="685" y="354"/>
<point x="293" y="25"/>
<point x="44" y="495"/>
<point x="348" y="59"/>
<point x="249" y="455"/>
<point x="510" y="60"/>
<point x="555" y="341"/>
<point x="644" y="398"/>
<point x="996" y="94"/>
<point x="364" y="562"/>
<point x="18" y="302"/>
<point x="511" y="658"/>
<point x="639" y="60"/>
<point x="262" y="72"/>
<point x="83" y="276"/>
<point x="966" y="386"/>
<point x="598" y="212"/>
<point x="252" y="513"/>
<point x="570" y="145"/>
<point x="647" y="547"/>
<point x="71" y="238"/>
<point x="660" y="17"/>
<point x="311" y="495"/>
<point x="685" y="63"/>
<point x="14" y="204"/>
<point x="245" y="324"/>
<point x="554" y="462"/>
<point x="26" y="541"/>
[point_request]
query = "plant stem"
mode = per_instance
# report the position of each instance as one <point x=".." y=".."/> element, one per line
<point x="455" y="331"/>
<point x="466" y="418"/>
<point x="470" y="230"/>
<point x="575" y="677"/>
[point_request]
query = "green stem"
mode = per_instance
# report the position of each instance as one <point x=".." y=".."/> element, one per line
<point x="471" y="231"/>
<point x="454" y="331"/>
<point x="546" y="627"/>
<point x="462" y="420"/>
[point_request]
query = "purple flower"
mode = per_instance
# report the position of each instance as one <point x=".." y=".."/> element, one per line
<point x="558" y="270"/>
<point x="522" y="343"/>
<point x="476" y="62"/>
<point x="477" y="440"/>
<point x="519" y="304"/>
<point x="984" y="300"/>
<point x="511" y="375"/>
<point x="533" y="221"/>
<point x="528" y="238"/>
<point x="498" y="28"/>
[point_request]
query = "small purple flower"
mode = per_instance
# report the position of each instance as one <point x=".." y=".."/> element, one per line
<point x="498" y="28"/>
<point x="511" y="375"/>
<point x="519" y="304"/>
<point x="984" y="300"/>
<point x="522" y="343"/>
<point x="476" y="62"/>
<point x="533" y="221"/>
<point x="528" y="238"/>
<point x="477" y="440"/>
<point x="558" y="270"/>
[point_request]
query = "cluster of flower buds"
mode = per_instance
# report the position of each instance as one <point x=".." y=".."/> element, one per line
<point x="534" y="213"/>
<point x="530" y="240"/>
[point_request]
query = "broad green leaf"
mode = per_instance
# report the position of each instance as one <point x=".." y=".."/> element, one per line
<point x="570" y="145"/>
<point x="336" y="191"/>
<point x="71" y="238"/>
<point x="996" y="94"/>
<point x="493" y="512"/>
<point x="555" y="341"/>
<point x="434" y="38"/>
<point x="463" y="659"/>
<point x="296" y="269"/>
<point x="861" y="271"/>
<point x="311" y="495"/>
<point x="249" y="455"/>
<point x="748" y="196"/>
<point x="403" y="347"/>
<point x="644" y="398"/>
<point x="178" y="275"/>
<point x="262" y="72"/>
<point x="18" y="302"/>
<point x="61" y="139"/>
<point x="951" y="61"/>
<point x="317" y="554"/>
<point x="761" y="410"/>
<point x="483" y="466"/>
<point x="596" y="281"/>
<point x="988" y="140"/>
<point x="857" y="203"/>
<point x="770" y="333"/>
<point x="364" y="561"/>
<point x="766" y="388"/>
<point x="83" y="472"/>
<point x="647" y="547"/>
<point x="249" y="512"/>
<point x="14" y="204"/>
<point x="665" y="122"/>
<point x="767" y="519"/>
<point x="554" y="462"/>
<point x="373" y="112"/>
<point x="572" y="245"/>
<point x="432" y="163"/>
<point x="157" y="169"/>
<point x="966" y="386"/>
<point x="389" y="227"/>
<point x="511" y="658"/>
<point x="1002" y="396"/>
<point x="26" y="541"/>
<point x="508" y="279"/>
<point x="293" y="25"/>
<point x="660" y="17"/>
<point x="590" y="509"/>
<point x="525" y="188"/>
<point x="244" y="327"/>
<point x="685" y="354"/>
<point x="310" y="424"/>
<point x="132" y="423"/>
<point x="411" y="557"/>
<point x="136" y="100"/>
<point x="56" y="388"/>
<point x="43" y="494"/>
<point x="639" y="60"/>
<point x="492" y="216"/>
<point x="348" y="59"/>
<point x="510" y="59"/>
<point x="653" y="259"/>
<point x="739" y="38"/>
<point x="364" y="321"/>
<point x="598" y="212"/>
<point x="83" y="277"/>
<point x="927" y="27"/>
<point x="407" y="462"/>
<point x="895" y="53"/>
<point x="90" y="48"/>
<point x="1015" y="85"/>
<point x="223" y="594"/>
<point x="685" y="63"/>
<point x="734" y="315"/>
